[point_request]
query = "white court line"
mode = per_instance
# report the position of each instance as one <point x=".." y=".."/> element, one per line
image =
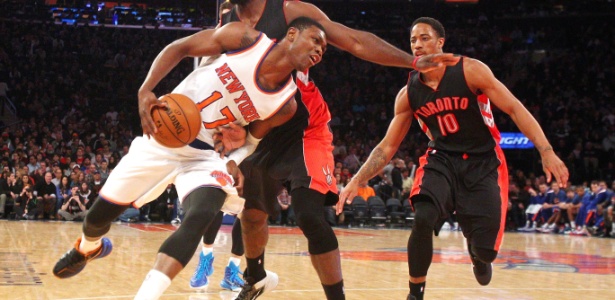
<point x="357" y="289"/>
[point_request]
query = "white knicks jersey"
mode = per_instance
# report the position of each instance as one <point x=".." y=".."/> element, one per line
<point x="227" y="90"/>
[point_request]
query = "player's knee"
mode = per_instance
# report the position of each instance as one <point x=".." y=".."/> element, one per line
<point x="320" y="236"/>
<point x="253" y="218"/>
<point x="425" y="217"/>
<point x="98" y="220"/>
<point x="201" y="207"/>
<point x="484" y="254"/>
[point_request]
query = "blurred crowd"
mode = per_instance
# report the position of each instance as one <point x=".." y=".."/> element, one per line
<point x="74" y="91"/>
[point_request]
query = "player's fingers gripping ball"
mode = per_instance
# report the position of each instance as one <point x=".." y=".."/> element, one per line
<point x="178" y="124"/>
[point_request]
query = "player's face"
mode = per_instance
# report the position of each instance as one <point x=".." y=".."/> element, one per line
<point x="308" y="47"/>
<point x="424" y="40"/>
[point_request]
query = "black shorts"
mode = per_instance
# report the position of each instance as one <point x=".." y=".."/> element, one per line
<point x="284" y="161"/>
<point x="474" y="187"/>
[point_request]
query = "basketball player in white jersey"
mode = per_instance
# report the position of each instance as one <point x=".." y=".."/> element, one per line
<point x="250" y="84"/>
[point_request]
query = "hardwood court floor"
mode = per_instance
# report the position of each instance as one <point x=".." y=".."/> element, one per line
<point x="530" y="266"/>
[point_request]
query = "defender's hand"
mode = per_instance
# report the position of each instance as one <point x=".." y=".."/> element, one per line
<point x="233" y="170"/>
<point x="433" y="61"/>
<point x="229" y="138"/>
<point x="348" y="193"/>
<point x="147" y="102"/>
<point x="552" y="165"/>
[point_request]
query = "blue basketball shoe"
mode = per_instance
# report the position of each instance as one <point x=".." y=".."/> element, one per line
<point x="232" y="281"/>
<point x="203" y="270"/>
<point x="73" y="261"/>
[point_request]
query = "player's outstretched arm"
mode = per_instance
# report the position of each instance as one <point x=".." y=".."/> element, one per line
<point x="204" y="43"/>
<point x="480" y="77"/>
<point x="365" y="45"/>
<point x="383" y="152"/>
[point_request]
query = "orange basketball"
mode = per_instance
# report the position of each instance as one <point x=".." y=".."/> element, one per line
<point x="179" y="124"/>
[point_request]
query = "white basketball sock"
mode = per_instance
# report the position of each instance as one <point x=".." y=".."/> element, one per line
<point x="207" y="250"/>
<point x="88" y="246"/>
<point x="234" y="260"/>
<point x="154" y="284"/>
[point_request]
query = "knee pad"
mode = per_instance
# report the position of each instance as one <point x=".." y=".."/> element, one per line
<point x="308" y="206"/>
<point x="99" y="217"/>
<point x="483" y="254"/>
<point x="425" y="218"/>
<point x="201" y="207"/>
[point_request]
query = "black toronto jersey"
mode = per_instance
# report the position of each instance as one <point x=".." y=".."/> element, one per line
<point x="273" y="23"/>
<point x="454" y="118"/>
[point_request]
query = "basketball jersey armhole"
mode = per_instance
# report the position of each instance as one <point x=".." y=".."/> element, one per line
<point x="244" y="49"/>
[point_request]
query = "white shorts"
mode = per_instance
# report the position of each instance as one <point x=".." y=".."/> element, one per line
<point x="144" y="173"/>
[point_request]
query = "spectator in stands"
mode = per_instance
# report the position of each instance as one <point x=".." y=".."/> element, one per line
<point x="25" y="205"/>
<point x="46" y="198"/>
<point x="537" y="199"/>
<point x="551" y="208"/>
<point x="365" y="191"/>
<point x="5" y="192"/>
<point x="86" y="192"/>
<point x="286" y="212"/>
<point x="73" y="207"/>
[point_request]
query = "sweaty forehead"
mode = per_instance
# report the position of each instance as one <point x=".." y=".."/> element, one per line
<point x="421" y="29"/>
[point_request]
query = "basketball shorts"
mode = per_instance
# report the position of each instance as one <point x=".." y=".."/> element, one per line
<point x="474" y="187"/>
<point x="293" y="156"/>
<point x="144" y="173"/>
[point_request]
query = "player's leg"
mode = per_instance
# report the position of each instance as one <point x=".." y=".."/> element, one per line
<point x="420" y="243"/>
<point x="201" y="207"/>
<point x="431" y="199"/>
<point x="142" y="174"/>
<point x="260" y="191"/>
<point x="255" y="236"/>
<point x="482" y="201"/>
<point x="232" y="275"/>
<point x="308" y="206"/>
<point x="205" y="267"/>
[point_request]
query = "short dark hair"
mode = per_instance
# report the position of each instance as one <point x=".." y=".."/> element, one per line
<point x="435" y="24"/>
<point x="302" y="23"/>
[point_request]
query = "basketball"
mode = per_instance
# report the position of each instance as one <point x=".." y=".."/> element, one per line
<point x="178" y="124"/>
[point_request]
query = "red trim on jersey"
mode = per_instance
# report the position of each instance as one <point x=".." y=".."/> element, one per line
<point x="495" y="133"/>
<point x="418" y="177"/>
<point x="317" y="141"/>
<point x="242" y="50"/>
<point x="503" y="184"/>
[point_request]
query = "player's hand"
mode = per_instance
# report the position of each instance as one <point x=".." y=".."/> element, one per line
<point x="433" y="61"/>
<point x="552" y="165"/>
<point x="348" y="193"/>
<point x="229" y="138"/>
<point x="233" y="170"/>
<point x="147" y="102"/>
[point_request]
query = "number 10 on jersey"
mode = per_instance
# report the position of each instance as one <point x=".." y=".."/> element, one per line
<point x="448" y="124"/>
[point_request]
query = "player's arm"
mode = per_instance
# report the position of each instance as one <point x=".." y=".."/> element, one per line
<point x="365" y="45"/>
<point x="204" y="43"/>
<point x="480" y="78"/>
<point x="258" y="129"/>
<point x="384" y="151"/>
